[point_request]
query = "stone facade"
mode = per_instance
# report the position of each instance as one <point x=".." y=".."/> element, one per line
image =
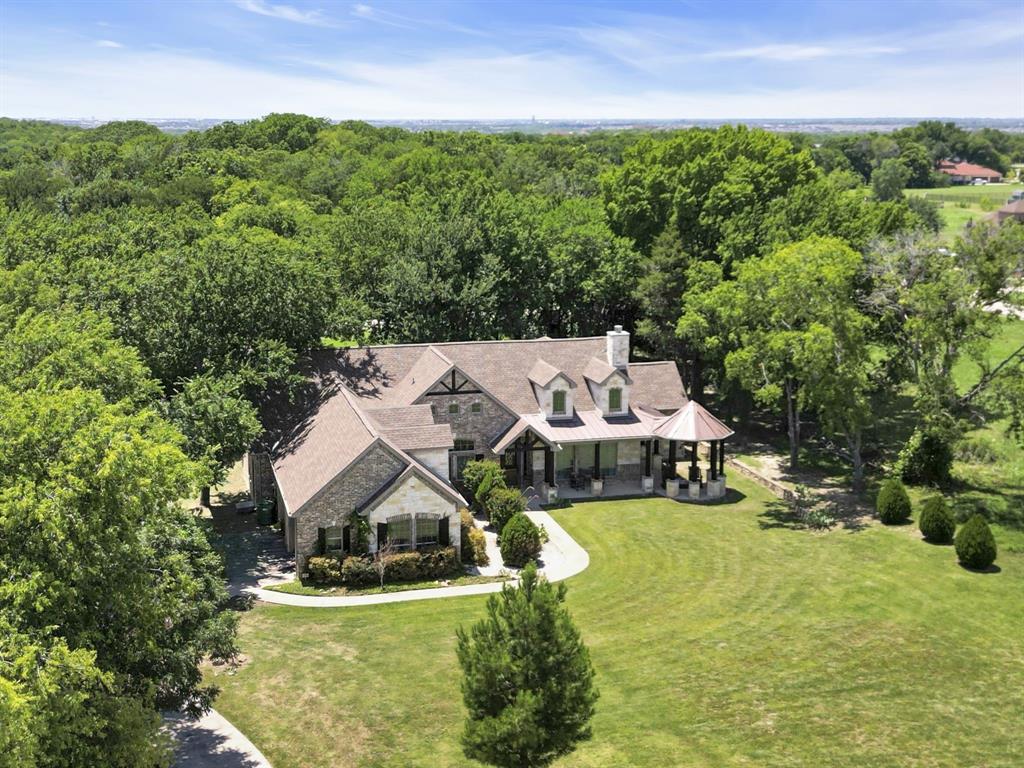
<point x="434" y="459"/>
<point x="414" y="497"/>
<point x="335" y="502"/>
<point x="545" y="396"/>
<point x="599" y="393"/>
<point x="481" y="428"/>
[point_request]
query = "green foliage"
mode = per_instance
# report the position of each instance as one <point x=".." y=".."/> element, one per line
<point x="892" y="504"/>
<point x="473" y="543"/>
<point x="481" y="477"/>
<point x="325" y="569"/>
<point x="936" y="521"/>
<point x="889" y="180"/>
<point x="219" y="424"/>
<point x="359" y="571"/>
<point x="502" y="505"/>
<point x="975" y="544"/>
<point x="542" y="707"/>
<point x="926" y="459"/>
<point x="520" y="541"/>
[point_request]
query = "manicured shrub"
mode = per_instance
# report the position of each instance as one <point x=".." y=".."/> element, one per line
<point x="926" y="459"/>
<point x="358" y="572"/>
<point x="439" y="563"/>
<point x="481" y="478"/>
<point x="975" y="544"/>
<point x="324" y="569"/>
<point x="892" y="504"/>
<point x="520" y="541"/>
<point x="404" y="566"/>
<point x="474" y="544"/>
<point x="936" y="521"/>
<point x="502" y="505"/>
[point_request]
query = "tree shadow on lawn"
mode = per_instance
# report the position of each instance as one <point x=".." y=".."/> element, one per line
<point x="779" y="514"/>
<point x="991" y="570"/>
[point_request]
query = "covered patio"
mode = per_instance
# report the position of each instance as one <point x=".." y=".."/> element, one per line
<point x="643" y="454"/>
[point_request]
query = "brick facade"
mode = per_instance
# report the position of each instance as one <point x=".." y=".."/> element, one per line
<point x="335" y="502"/>
<point x="481" y="428"/>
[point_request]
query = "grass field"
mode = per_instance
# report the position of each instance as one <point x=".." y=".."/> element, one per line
<point x="961" y="204"/>
<point x="720" y="635"/>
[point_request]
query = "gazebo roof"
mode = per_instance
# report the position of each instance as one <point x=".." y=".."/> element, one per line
<point x="692" y="423"/>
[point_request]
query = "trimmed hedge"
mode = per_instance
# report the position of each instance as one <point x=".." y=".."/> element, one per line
<point x="502" y="505"/>
<point x="893" y="503"/>
<point x="434" y="563"/>
<point x="482" y="478"/>
<point x="926" y="459"/>
<point x="520" y="541"/>
<point x="975" y="544"/>
<point x="473" y="542"/>
<point x="936" y="522"/>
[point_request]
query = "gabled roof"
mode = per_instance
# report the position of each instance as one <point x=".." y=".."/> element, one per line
<point x="599" y="370"/>
<point x="412" y="427"/>
<point x="377" y="375"/>
<point x="967" y="169"/>
<point x="543" y="373"/>
<point x="413" y="470"/>
<point x="692" y="423"/>
<point x="328" y="440"/>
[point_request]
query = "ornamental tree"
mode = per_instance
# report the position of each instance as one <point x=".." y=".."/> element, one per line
<point x="529" y="684"/>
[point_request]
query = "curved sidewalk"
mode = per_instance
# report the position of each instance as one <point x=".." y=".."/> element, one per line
<point x="211" y="742"/>
<point x="560" y="558"/>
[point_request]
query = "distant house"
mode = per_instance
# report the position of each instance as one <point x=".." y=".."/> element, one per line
<point x="385" y="432"/>
<point x="1012" y="210"/>
<point x="967" y="173"/>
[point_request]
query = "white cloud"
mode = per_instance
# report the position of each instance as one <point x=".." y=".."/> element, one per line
<point x="483" y="86"/>
<point x="108" y="44"/>
<point x="796" y="52"/>
<point x="284" y="12"/>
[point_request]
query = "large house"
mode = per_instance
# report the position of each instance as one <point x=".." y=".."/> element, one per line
<point x="967" y="173"/>
<point x="384" y="432"/>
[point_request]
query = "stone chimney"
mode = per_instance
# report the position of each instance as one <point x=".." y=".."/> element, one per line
<point x="618" y="347"/>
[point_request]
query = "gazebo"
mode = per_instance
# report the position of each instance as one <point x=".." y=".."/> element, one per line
<point x="692" y="425"/>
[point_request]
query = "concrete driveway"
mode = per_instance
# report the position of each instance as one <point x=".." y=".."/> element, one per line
<point x="212" y="742"/>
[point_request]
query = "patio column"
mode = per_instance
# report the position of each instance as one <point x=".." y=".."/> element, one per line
<point x="597" y="459"/>
<point x="549" y="465"/>
<point x="721" y="458"/>
<point x="713" y="461"/>
<point x="672" y="456"/>
<point x="649" y="446"/>
<point x="694" y="471"/>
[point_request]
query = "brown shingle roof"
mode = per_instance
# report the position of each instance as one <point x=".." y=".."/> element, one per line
<point x="377" y="374"/>
<point x="543" y="373"/>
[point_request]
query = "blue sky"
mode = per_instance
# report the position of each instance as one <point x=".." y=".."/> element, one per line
<point x="497" y="60"/>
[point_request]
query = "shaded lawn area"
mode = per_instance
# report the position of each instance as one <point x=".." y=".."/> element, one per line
<point x="720" y="636"/>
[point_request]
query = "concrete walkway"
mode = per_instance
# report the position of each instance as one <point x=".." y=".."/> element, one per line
<point x="560" y="558"/>
<point x="211" y="742"/>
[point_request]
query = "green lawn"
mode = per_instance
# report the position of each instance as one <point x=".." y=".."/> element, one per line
<point x="720" y="635"/>
<point x="961" y="204"/>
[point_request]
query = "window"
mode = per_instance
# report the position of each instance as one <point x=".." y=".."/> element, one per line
<point x="558" y="402"/>
<point x="476" y="408"/>
<point x="400" y="532"/>
<point x="614" y="400"/>
<point x="508" y="459"/>
<point x="453" y="408"/>
<point x="333" y="539"/>
<point x="426" y="530"/>
<point x="464" y="445"/>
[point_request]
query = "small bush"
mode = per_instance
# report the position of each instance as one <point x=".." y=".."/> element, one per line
<point x="404" y="566"/>
<point x="892" y="504"/>
<point x="481" y="478"/>
<point x="358" y="572"/>
<point x="478" y="544"/>
<point x="936" y="522"/>
<point x="502" y="505"/>
<point x="975" y="544"/>
<point x="520" y="541"/>
<point x="324" y="569"/>
<point x="473" y="542"/>
<point x="926" y="459"/>
<point x="439" y="563"/>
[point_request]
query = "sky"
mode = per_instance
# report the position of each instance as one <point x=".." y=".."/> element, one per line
<point x="237" y="59"/>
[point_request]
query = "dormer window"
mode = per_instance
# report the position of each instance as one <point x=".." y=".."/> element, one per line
<point x="615" y="400"/>
<point x="558" y="402"/>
